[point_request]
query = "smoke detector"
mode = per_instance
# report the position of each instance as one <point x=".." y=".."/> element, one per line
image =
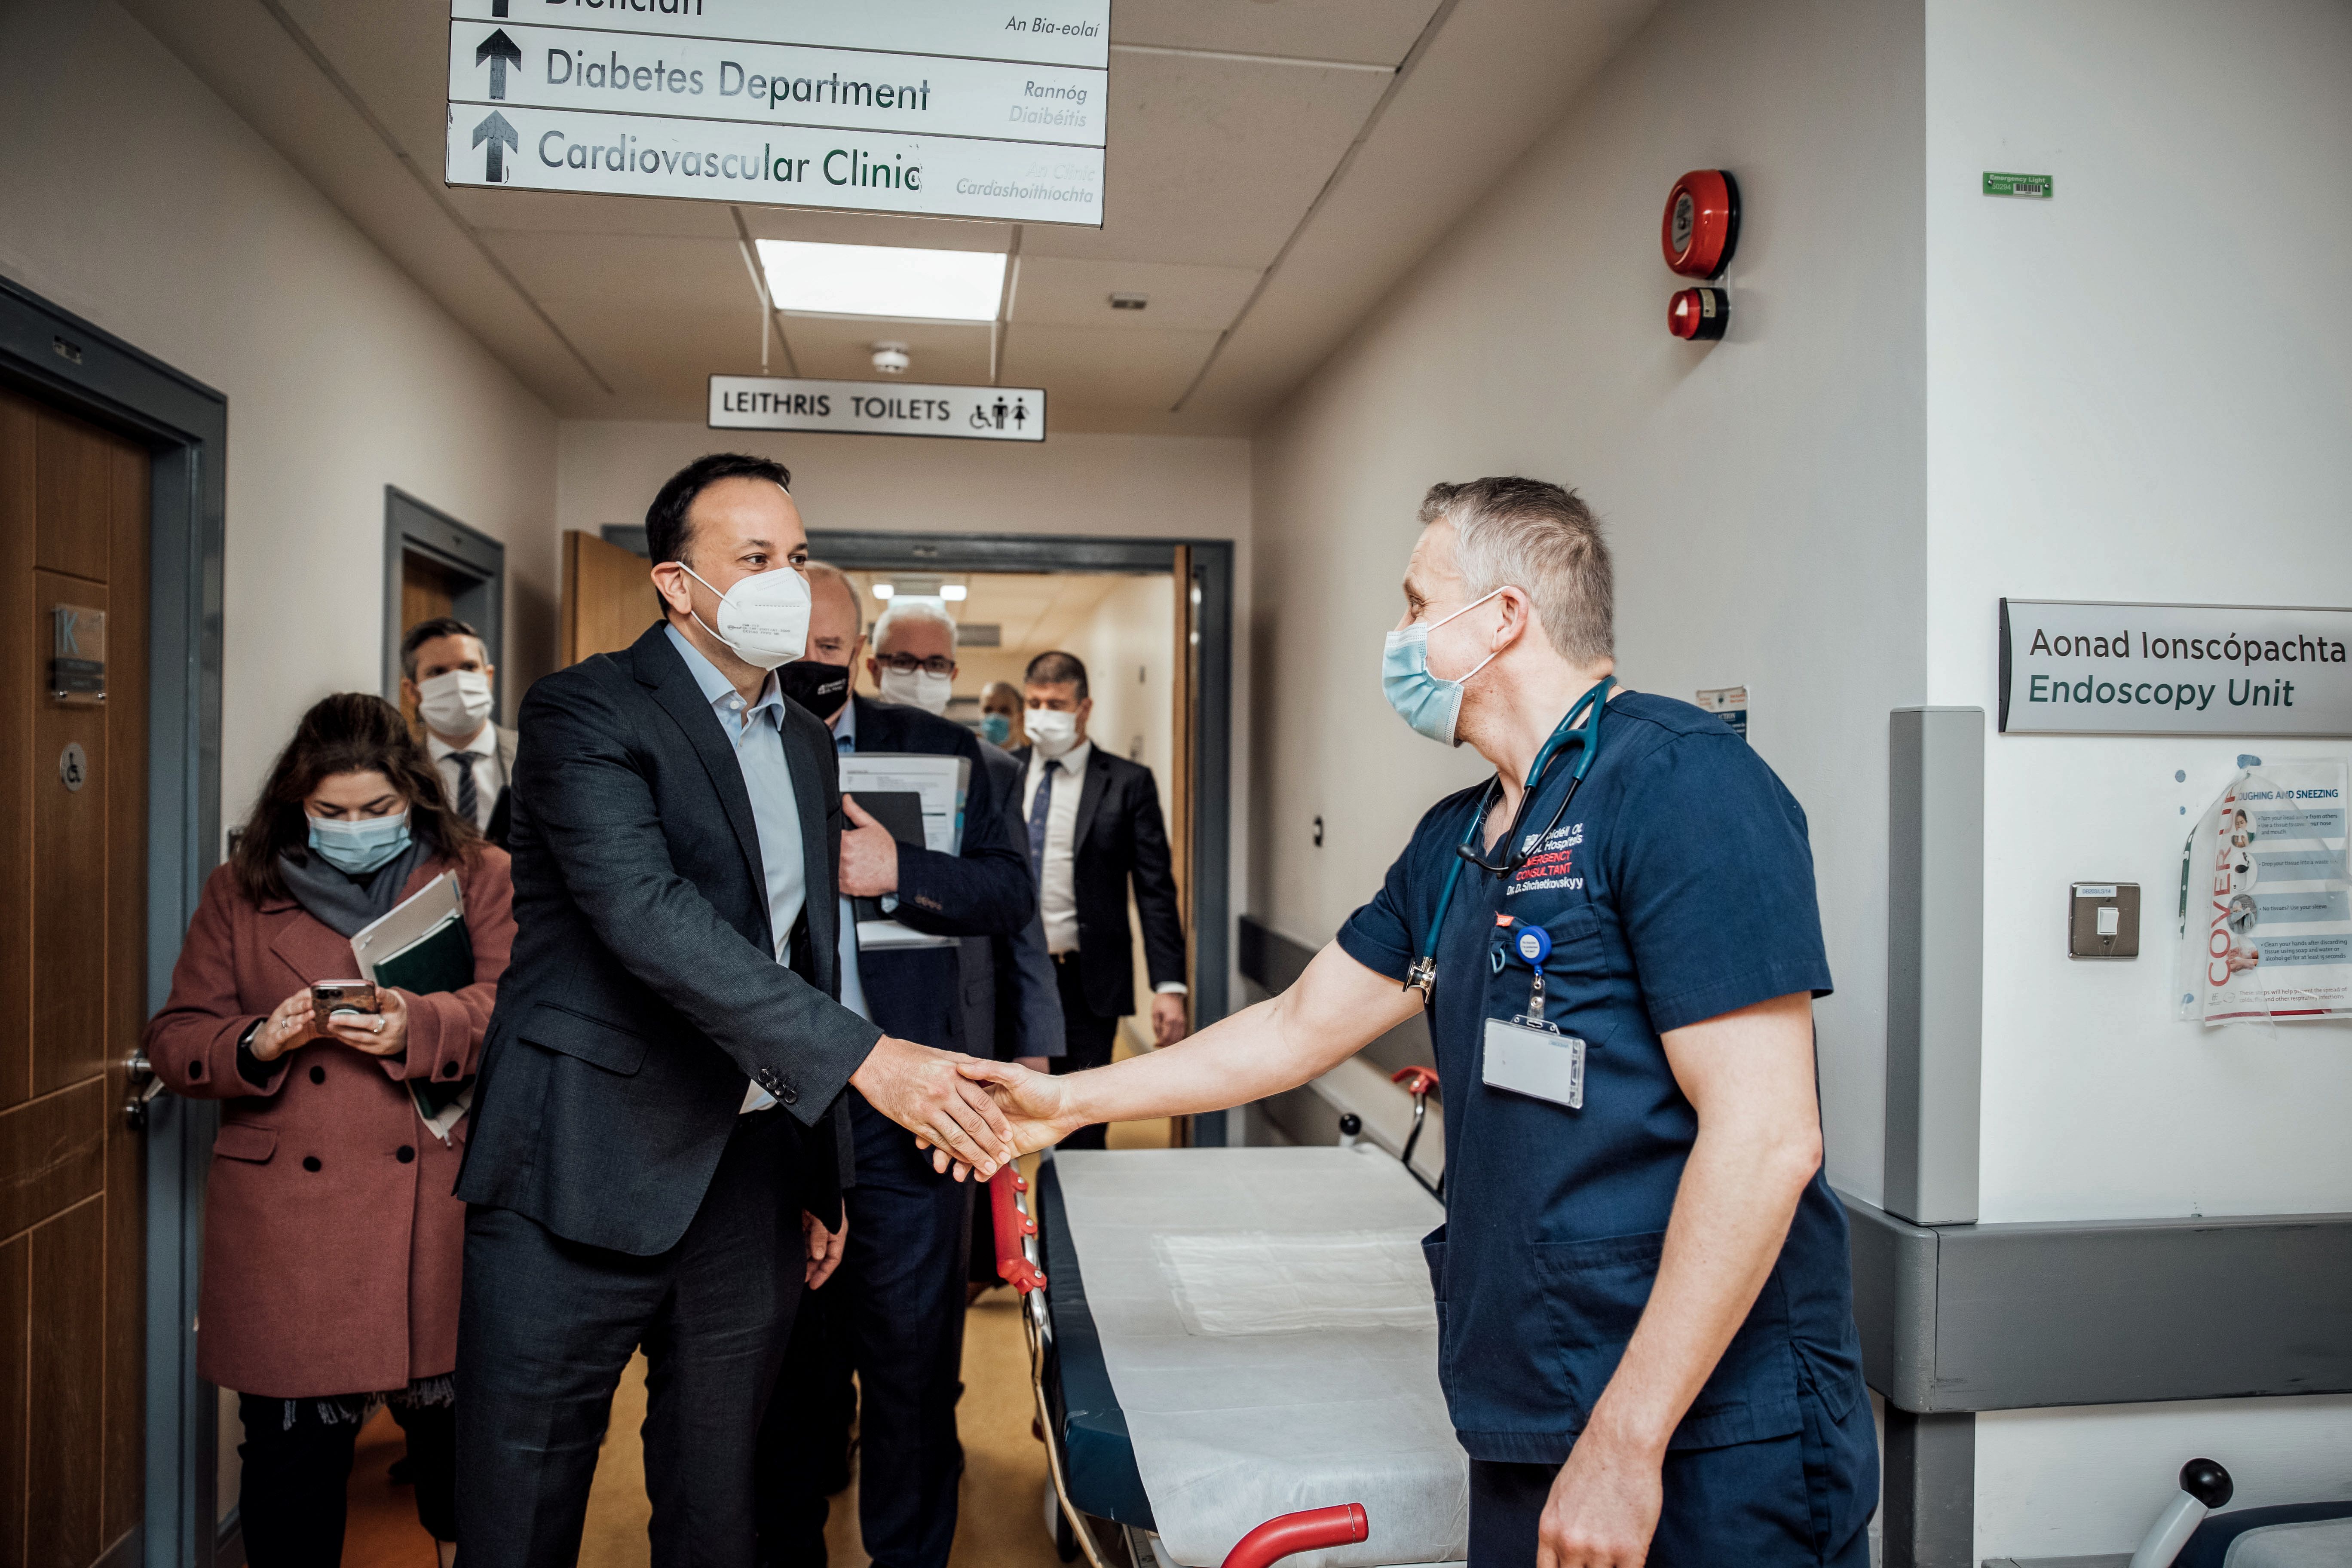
<point x="891" y="359"/>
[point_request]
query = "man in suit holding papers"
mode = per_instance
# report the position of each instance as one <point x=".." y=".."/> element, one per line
<point x="895" y="1312"/>
<point x="661" y="1134"/>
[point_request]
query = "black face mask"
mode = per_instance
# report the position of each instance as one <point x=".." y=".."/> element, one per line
<point x="819" y="687"/>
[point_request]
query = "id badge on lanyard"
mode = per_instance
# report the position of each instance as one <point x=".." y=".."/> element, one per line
<point x="1527" y="1055"/>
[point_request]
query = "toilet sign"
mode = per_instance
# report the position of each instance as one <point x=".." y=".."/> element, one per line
<point x="877" y="408"/>
<point x="938" y="107"/>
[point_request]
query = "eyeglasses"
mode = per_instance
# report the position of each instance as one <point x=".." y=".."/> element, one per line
<point x="907" y="664"/>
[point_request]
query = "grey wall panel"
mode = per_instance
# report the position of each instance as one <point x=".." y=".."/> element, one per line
<point x="2135" y="1310"/>
<point x="2006" y="1317"/>
<point x="1931" y="1484"/>
<point x="1935" y="961"/>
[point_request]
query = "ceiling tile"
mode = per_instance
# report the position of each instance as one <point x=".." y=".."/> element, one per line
<point x="566" y="212"/>
<point x="1058" y="291"/>
<point x="841" y="348"/>
<point x="1377" y="31"/>
<point x="652" y="277"/>
<point x="1141" y="371"/>
<point x="1213" y="163"/>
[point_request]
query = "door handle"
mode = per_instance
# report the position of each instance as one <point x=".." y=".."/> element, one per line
<point x="144" y="1087"/>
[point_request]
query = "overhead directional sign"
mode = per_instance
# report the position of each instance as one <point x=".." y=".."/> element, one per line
<point x="940" y="107"/>
<point x="877" y="408"/>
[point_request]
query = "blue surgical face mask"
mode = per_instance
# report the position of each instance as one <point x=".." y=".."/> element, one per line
<point x="1430" y="705"/>
<point x="358" y="847"/>
<point x="995" y="729"/>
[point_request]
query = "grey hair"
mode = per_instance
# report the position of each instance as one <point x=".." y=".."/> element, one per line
<point x="826" y="572"/>
<point x="1534" y="536"/>
<point x="912" y="609"/>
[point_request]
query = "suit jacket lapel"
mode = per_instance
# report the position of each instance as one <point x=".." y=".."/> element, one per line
<point x="810" y="754"/>
<point x="1098" y="781"/>
<point x="658" y="666"/>
<point x="506" y="739"/>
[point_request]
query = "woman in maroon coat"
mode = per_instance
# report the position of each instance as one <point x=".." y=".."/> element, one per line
<point x="331" y="1238"/>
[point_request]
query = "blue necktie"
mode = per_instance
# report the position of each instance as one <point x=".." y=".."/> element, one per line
<point x="1039" y="809"/>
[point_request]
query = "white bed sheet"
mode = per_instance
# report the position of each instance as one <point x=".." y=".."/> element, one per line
<point x="1295" y="1390"/>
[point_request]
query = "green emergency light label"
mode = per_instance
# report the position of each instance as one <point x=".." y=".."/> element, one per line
<point x="2017" y="184"/>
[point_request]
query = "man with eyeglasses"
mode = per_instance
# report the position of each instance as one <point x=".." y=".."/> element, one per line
<point x="894" y="1313"/>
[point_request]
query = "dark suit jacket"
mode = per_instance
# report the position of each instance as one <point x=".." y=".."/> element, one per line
<point x="501" y="826"/>
<point x="916" y="994"/>
<point x="1120" y="838"/>
<point x="1012" y="1006"/>
<point x="644" y="989"/>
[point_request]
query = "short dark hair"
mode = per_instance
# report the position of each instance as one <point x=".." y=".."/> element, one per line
<point x="424" y="632"/>
<point x="1054" y="668"/>
<point x="665" y="530"/>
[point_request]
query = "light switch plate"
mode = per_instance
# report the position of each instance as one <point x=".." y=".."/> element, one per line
<point x="2103" y="919"/>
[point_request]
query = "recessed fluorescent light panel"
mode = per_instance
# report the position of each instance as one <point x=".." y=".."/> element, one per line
<point x="883" y="281"/>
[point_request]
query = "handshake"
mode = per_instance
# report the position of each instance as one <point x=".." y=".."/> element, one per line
<point x="972" y="1115"/>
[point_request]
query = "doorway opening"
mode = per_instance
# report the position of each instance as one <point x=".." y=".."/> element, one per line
<point x="435" y="565"/>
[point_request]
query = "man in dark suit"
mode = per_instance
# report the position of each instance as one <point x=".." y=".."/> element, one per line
<point x="447" y="680"/>
<point x="1094" y="829"/>
<point x="895" y="1312"/>
<point x="660" y="1130"/>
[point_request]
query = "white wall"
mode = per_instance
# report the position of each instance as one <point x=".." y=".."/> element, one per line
<point x="135" y="198"/>
<point x="2140" y="390"/>
<point x="1762" y="496"/>
<point x="1148" y="486"/>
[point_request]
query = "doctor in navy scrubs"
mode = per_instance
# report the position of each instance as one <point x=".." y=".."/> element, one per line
<point x="1647" y="1339"/>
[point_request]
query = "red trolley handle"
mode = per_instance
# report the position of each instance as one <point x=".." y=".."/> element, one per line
<point x="1012" y="1266"/>
<point x="1278" y="1538"/>
<point x="1417" y="1080"/>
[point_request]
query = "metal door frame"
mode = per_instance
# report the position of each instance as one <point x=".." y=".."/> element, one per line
<point x="88" y="371"/>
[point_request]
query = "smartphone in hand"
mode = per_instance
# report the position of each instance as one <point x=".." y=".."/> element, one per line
<point x="328" y="997"/>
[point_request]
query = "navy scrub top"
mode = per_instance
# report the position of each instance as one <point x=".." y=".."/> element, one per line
<point x="1678" y="886"/>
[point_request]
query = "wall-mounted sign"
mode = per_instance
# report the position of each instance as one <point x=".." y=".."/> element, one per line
<point x="2076" y="669"/>
<point x="2035" y="186"/>
<point x="917" y="106"/>
<point x="877" y="408"/>
<point x="77" y="656"/>
<point x="1729" y="703"/>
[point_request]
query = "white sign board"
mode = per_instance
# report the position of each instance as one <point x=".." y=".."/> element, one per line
<point x="937" y="107"/>
<point x="2076" y="669"/>
<point x="877" y="408"/>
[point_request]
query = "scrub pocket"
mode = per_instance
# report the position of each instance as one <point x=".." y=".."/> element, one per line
<point x="1598" y="1289"/>
<point x="1433" y="1252"/>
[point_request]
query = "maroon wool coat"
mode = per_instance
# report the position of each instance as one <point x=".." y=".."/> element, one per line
<point x="332" y="1242"/>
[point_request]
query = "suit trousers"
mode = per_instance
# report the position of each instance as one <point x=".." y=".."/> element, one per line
<point x="546" y="1326"/>
<point x="894" y="1309"/>
<point x="1088" y="1040"/>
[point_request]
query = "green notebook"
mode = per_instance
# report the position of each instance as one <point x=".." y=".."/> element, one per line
<point x="423" y="947"/>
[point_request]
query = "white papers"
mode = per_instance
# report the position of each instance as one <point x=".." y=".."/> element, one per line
<point x="426" y="912"/>
<point x="942" y="783"/>
<point x="2266" y="927"/>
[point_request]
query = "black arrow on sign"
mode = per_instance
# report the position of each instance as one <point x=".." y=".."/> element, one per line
<point x="494" y="130"/>
<point x="502" y="52"/>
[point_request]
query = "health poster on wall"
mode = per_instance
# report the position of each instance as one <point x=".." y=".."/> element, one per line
<point x="2266" y="899"/>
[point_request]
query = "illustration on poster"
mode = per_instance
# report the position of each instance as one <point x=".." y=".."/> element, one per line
<point x="2266" y="929"/>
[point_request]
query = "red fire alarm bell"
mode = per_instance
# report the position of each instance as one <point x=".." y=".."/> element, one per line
<point x="1701" y="227"/>
<point x="1701" y="313"/>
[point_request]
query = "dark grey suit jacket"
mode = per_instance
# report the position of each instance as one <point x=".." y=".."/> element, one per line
<point x="1121" y="840"/>
<point x="644" y="989"/>
<point x="1013" y="1005"/>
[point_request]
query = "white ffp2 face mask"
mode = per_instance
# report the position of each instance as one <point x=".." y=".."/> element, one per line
<point x="764" y="618"/>
<point x="918" y="688"/>
<point x="1052" y="730"/>
<point x="455" y="703"/>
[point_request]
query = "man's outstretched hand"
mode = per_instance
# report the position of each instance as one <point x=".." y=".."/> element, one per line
<point x="1037" y="1107"/>
<point x="922" y="1090"/>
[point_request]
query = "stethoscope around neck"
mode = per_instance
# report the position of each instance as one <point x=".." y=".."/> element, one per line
<point x="1516" y="849"/>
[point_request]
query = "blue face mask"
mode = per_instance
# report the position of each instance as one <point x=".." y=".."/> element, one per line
<point x="356" y="848"/>
<point x="1430" y="705"/>
<point x="995" y="729"/>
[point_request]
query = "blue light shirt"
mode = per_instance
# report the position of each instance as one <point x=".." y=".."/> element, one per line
<point x="757" y="730"/>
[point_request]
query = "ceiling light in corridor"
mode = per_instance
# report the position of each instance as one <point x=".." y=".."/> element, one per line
<point x="883" y="281"/>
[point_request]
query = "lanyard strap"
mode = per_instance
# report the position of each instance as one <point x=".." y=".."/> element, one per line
<point x="1422" y="975"/>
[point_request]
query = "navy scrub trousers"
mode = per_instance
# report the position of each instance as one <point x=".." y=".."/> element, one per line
<point x="1677" y="887"/>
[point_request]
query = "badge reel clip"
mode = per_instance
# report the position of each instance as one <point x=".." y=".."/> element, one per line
<point x="1530" y="1054"/>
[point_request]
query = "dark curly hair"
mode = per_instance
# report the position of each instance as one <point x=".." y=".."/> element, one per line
<point x="349" y="732"/>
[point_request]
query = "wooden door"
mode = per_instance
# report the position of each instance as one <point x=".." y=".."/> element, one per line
<point x="73" y="771"/>
<point x="428" y="590"/>
<point x="608" y="597"/>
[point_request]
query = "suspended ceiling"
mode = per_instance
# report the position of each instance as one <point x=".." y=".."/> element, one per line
<point x="1273" y="167"/>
